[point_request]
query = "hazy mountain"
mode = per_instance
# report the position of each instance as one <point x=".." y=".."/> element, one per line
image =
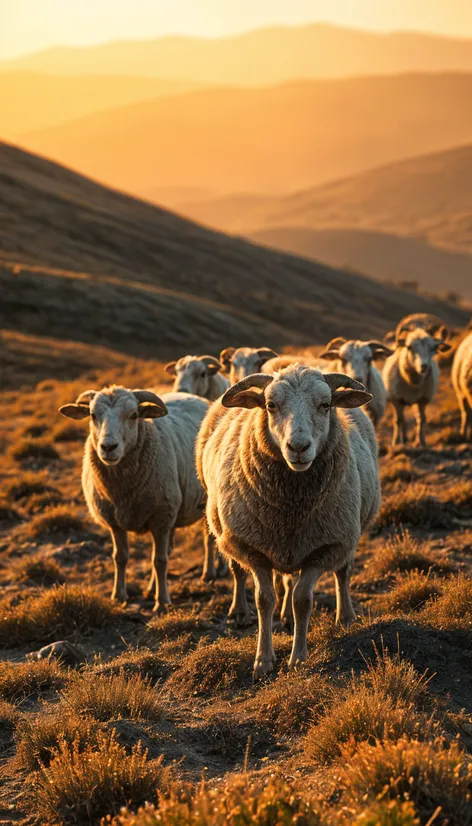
<point x="263" y="56"/>
<point x="33" y="100"/>
<point x="85" y="263"/>
<point x="268" y="140"/>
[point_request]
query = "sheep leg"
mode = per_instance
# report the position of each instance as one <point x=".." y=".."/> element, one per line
<point x="160" y="555"/>
<point x="239" y="609"/>
<point x="279" y="591"/>
<point x="152" y="579"/>
<point x="286" y="613"/>
<point x="420" y="424"/>
<point x="399" y="426"/>
<point x="209" y="570"/>
<point x="222" y="568"/>
<point x="302" y="607"/>
<point x="120" y="559"/>
<point x="344" y="610"/>
<point x="265" y="602"/>
<point x="466" y="416"/>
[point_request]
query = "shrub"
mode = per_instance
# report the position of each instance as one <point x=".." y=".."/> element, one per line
<point x="19" y="681"/>
<point x="452" y="610"/>
<point x="410" y="592"/>
<point x="112" y="697"/>
<point x="61" y="519"/>
<point x="33" y="449"/>
<point x="398" y="679"/>
<point x="39" y="737"/>
<point x="400" y="553"/>
<point x="430" y="775"/>
<point x="40" y="569"/>
<point x="82" y="786"/>
<point x="56" y="613"/>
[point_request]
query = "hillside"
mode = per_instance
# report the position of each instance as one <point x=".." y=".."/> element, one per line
<point x="317" y="130"/>
<point x="35" y="100"/>
<point x="82" y="263"/>
<point x="263" y="56"/>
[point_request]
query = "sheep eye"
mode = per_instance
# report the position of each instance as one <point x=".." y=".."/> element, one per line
<point x="203" y="375"/>
<point x="325" y="406"/>
<point x="134" y="415"/>
<point x="271" y="406"/>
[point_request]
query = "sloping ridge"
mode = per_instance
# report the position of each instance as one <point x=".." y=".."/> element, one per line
<point x="90" y="264"/>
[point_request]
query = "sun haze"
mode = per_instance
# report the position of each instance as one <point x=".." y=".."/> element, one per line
<point x="31" y="25"/>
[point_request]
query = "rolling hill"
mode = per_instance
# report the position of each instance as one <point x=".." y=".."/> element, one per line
<point x="35" y="100"/>
<point x="263" y="56"/>
<point x="267" y="140"/>
<point x="82" y="263"/>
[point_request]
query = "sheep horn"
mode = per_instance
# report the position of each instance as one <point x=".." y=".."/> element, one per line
<point x="378" y="346"/>
<point x="147" y="396"/>
<point x="335" y="343"/>
<point x="211" y="360"/>
<point x="256" y="380"/>
<point x="86" y="397"/>
<point x="335" y="380"/>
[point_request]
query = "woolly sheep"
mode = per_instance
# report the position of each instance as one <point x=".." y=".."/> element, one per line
<point x="292" y="480"/>
<point x="308" y="360"/>
<point x="354" y="358"/>
<point x="244" y="361"/>
<point x="461" y="375"/>
<point x="139" y="475"/>
<point x="198" y="375"/>
<point x="411" y="378"/>
<point x="416" y="321"/>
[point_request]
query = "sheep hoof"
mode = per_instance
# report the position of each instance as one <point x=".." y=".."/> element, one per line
<point x="161" y="608"/>
<point x="287" y="623"/>
<point x="121" y="598"/>
<point x="263" y="667"/>
<point x="294" y="662"/>
<point x="241" y="618"/>
<point x="208" y="576"/>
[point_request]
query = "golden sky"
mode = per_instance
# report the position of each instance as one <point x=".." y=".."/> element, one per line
<point x="31" y="25"/>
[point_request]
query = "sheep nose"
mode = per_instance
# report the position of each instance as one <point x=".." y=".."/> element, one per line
<point x="298" y="448"/>
<point x="109" y="447"/>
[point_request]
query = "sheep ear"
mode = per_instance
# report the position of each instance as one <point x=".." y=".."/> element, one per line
<point x="75" y="411"/>
<point x="170" y="368"/>
<point x="443" y="333"/>
<point x="350" y="398"/>
<point x="226" y="355"/>
<point x="441" y="346"/>
<point x="265" y="353"/>
<point x="212" y="365"/>
<point x="152" y="411"/>
<point x="329" y="355"/>
<point x="379" y="350"/>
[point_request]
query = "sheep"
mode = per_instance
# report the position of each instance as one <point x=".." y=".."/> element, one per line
<point x="411" y="378"/>
<point x="423" y="321"/>
<point x="198" y="375"/>
<point x="461" y="376"/>
<point x="292" y="480"/>
<point x="139" y="475"/>
<point x="354" y="358"/>
<point x="308" y="360"/>
<point x="244" y="361"/>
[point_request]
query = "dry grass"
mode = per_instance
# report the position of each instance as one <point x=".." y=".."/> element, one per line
<point x="239" y="801"/>
<point x="411" y="591"/>
<point x="40" y="502"/>
<point x="140" y="661"/>
<point x="61" y="519"/>
<point x="391" y="676"/>
<point x="452" y="610"/>
<point x="39" y="737"/>
<point x="26" y="484"/>
<point x="431" y="775"/>
<point x="8" y="721"/>
<point x="82" y="786"/>
<point x="174" y="624"/>
<point x="38" y="451"/>
<point x="69" y="432"/>
<point x="38" y="569"/>
<point x="115" y="697"/>
<point x="21" y="681"/>
<point x="414" y="506"/>
<point x="400" y="553"/>
<point x="292" y="702"/>
<point x="59" y="612"/>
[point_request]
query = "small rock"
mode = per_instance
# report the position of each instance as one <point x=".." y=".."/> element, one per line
<point x="61" y="650"/>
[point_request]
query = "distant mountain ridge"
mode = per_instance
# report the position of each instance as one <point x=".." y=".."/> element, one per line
<point x="261" y="56"/>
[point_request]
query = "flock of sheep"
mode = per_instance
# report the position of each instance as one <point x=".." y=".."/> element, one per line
<point x="279" y="454"/>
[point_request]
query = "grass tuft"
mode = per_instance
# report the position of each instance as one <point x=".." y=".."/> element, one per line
<point x="39" y="737"/>
<point x="114" y="697"/>
<point x="54" y="614"/>
<point x="35" y="450"/>
<point x="410" y="592"/>
<point x="452" y="610"/>
<point x="61" y="519"/>
<point x="401" y="552"/>
<point x="38" y="569"/>
<point x="26" y="484"/>
<point x="20" y="681"/>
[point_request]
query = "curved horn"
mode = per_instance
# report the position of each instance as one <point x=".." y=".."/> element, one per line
<point x="242" y="395"/>
<point x="335" y="380"/>
<point x="86" y="397"/>
<point x="335" y="342"/>
<point x="212" y="363"/>
<point x="379" y="348"/>
<point x="266" y="353"/>
<point x="226" y="355"/>
<point x="147" y="396"/>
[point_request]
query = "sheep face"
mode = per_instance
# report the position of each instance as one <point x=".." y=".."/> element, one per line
<point x="419" y="349"/>
<point x="193" y="374"/>
<point x="355" y="357"/>
<point x="297" y="402"/>
<point x="245" y="361"/>
<point x="115" y="414"/>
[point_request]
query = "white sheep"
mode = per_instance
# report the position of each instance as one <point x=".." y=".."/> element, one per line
<point x="354" y="358"/>
<point x="416" y="321"/>
<point x="411" y="378"/>
<point x="244" y="361"/>
<point x="198" y="375"/>
<point x="139" y="475"/>
<point x="292" y="480"/>
<point x="461" y="376"/>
